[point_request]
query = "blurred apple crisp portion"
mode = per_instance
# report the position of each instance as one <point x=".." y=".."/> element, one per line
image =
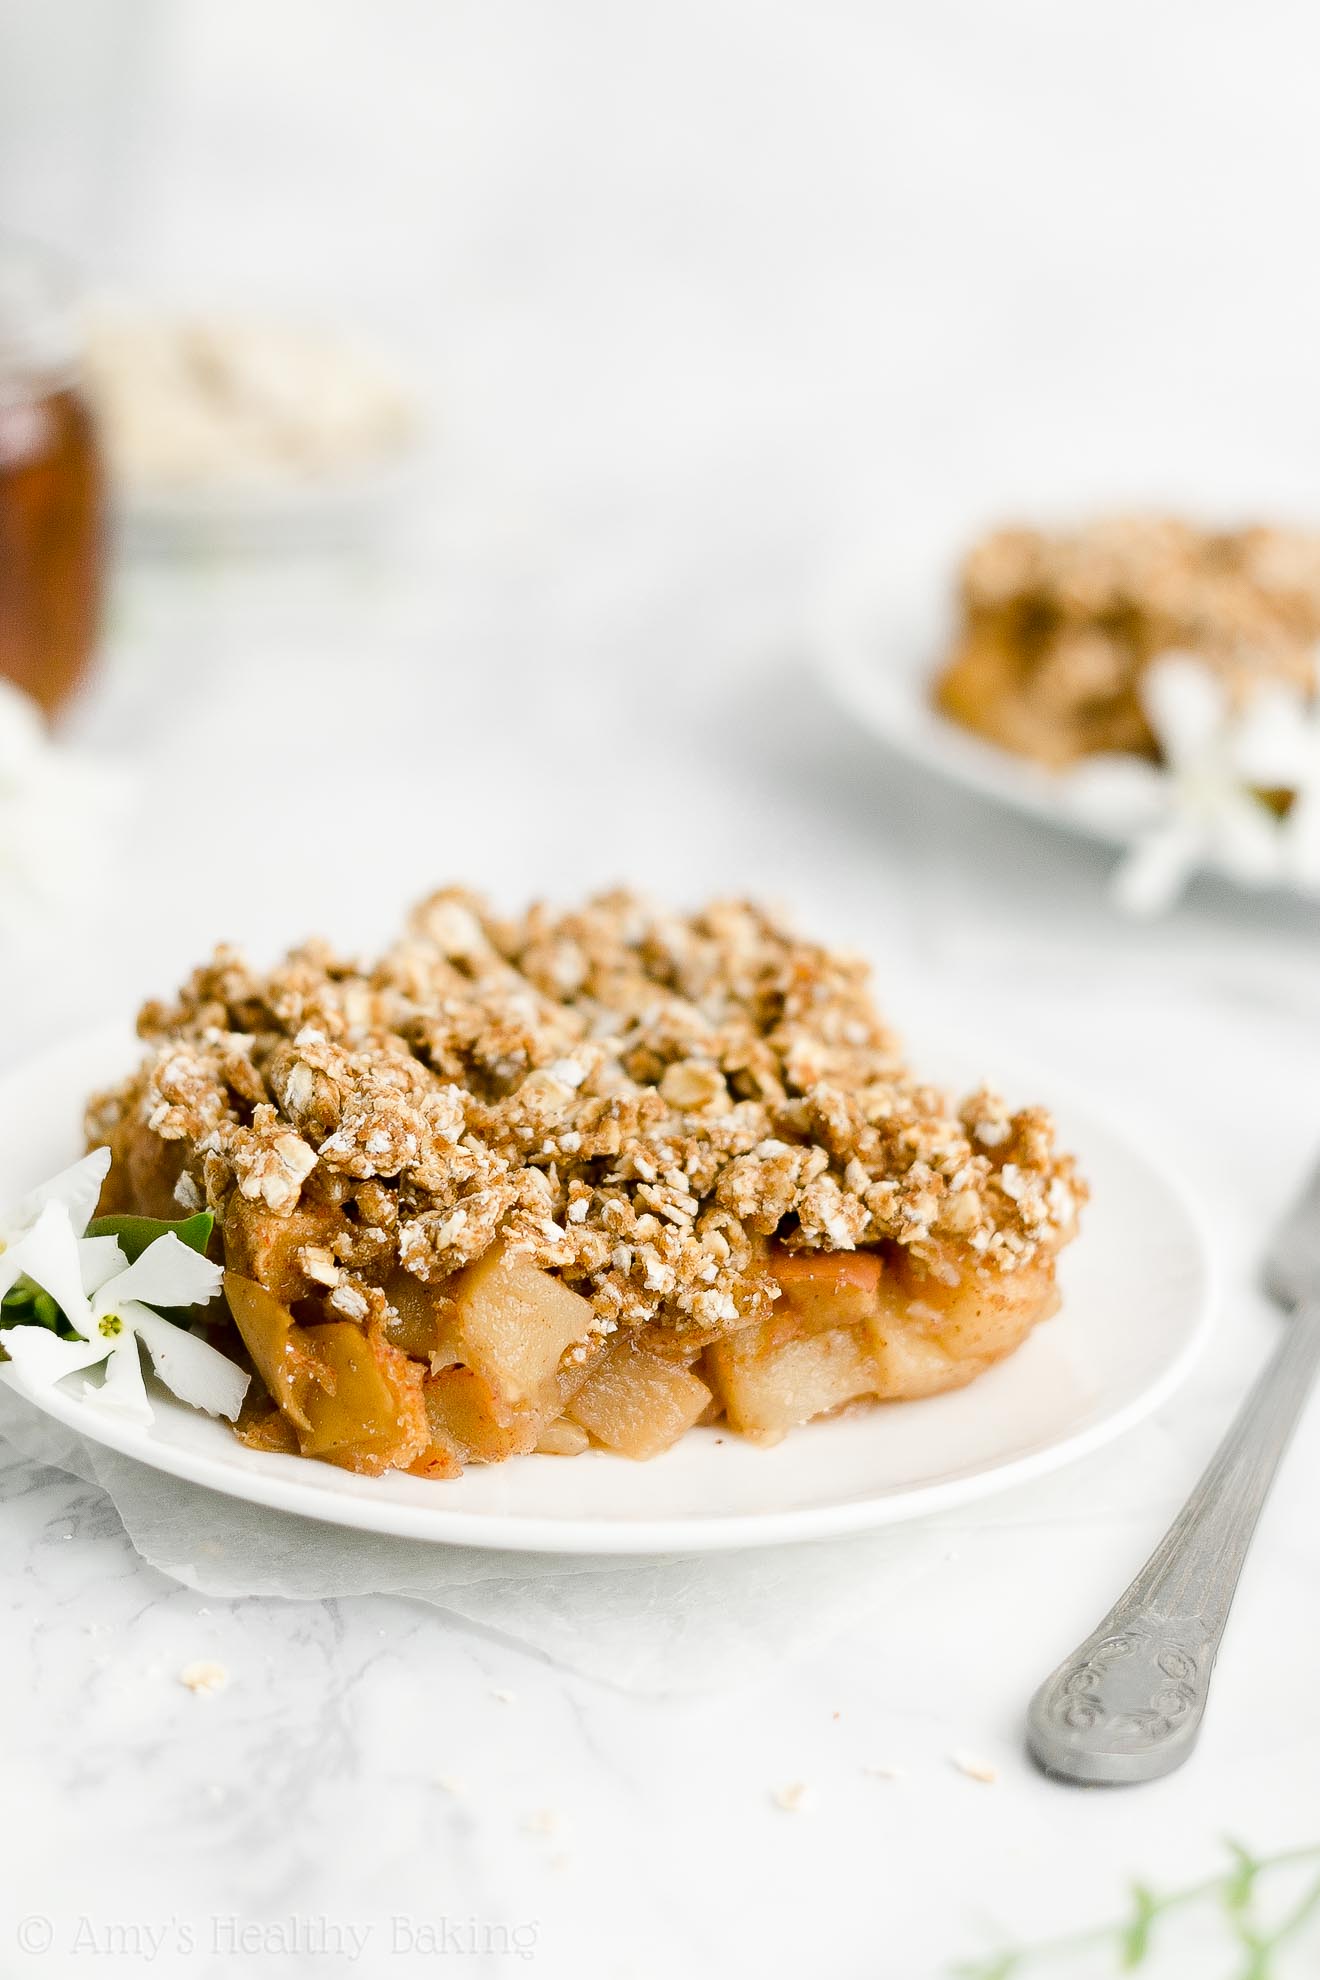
<point x="1057" y="628"/>
<point x="582" y="1178"/>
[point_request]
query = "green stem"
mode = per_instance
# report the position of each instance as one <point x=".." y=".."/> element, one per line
<point x="1130" y="1939"/>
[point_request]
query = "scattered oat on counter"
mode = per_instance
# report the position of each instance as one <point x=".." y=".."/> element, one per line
<point x="544" y="1822"/>
<point x="884" y="1773"/>
<point x="204" y="1677"/>
<point x="795" y="1799"/>
<point x="504" y="1697"/>
<point x="452" y="1784"/>
<point x="975" y="1768"/>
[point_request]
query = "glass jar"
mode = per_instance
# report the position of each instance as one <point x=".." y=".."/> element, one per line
<point x="52" y="488"/>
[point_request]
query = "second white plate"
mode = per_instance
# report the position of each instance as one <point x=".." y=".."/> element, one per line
<point x="883" y="624"/>
<point x="1136" y="1297"/>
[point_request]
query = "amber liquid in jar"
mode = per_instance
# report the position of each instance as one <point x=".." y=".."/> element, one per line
<point x="52" y="530"/>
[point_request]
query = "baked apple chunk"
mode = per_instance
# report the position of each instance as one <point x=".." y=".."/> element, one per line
<point x="512" y="1325"/>
<point x="854" y="1325"/>
<point x="812" y="1356"/>
<point x="638" y="1403"/>
<point x="580" y="1180"/>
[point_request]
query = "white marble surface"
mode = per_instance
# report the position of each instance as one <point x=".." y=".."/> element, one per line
<point x="691" y="296"/>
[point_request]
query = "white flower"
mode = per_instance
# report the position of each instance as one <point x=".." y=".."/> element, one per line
<point x="1199" y="807"/>
<point x="39" y="1237"/>
<point x="110" y="1303"/>
<point x="55" y="805"/>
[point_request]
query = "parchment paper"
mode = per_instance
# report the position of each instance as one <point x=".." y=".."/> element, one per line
<point x="659" y="1624"/>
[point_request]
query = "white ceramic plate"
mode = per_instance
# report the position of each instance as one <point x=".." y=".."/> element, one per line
<point x="1136" y="1295"/>
<point x="884" y="623"/>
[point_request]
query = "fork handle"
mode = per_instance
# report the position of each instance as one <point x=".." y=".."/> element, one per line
<point x="1127" y="1705"/>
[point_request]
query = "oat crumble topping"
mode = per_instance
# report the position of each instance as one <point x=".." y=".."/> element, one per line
<point x="637" y="1099"/>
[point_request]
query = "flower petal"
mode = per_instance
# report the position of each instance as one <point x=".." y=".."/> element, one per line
<point x="41" y="1358"/>
<point x="1276" y="743"/>
<point x="1156" y="870"/>
<point x="76" y="1187"/>
<point x="99" y="1258"/>
<point x="1119" y="793"/>
<point x="48" y="1253"/>
<point x="11" y="1264"/>
<point x="196" y="1372"/>
<point x="169" y="1273"/>
<point x="1245" y="840"/>
<point x="123" y="1389"/>
<point x="1185" y="706"/>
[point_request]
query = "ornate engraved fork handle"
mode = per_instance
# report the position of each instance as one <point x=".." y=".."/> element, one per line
<point x="1127" y="1705"/>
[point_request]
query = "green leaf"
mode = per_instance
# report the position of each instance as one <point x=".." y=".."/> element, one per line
<point x="136" y="1233"/>
<point x="1134" y="1940"/>
<point x="26" y="1305"/>
<point x="46" y="1313"/>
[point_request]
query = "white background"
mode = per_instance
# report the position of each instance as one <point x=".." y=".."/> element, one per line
<point x="693" y="293"/>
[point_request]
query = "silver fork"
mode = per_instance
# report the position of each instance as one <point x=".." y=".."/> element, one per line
<point x="1127" y="1705"/>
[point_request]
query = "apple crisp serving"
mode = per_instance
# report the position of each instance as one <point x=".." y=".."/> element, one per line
<point x="575" y="1178"/>
<point x="1057" y="629"/>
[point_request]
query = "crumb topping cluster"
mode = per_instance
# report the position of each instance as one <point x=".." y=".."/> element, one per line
<point x="636" y="1098"/>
